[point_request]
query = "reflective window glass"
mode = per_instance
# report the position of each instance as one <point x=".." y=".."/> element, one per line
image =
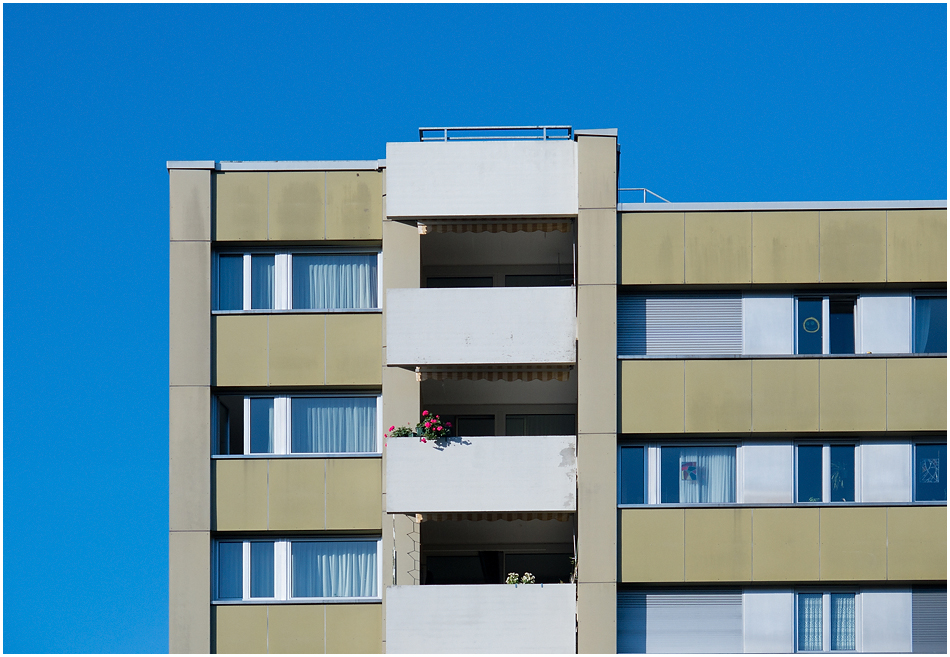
<point x="809" y="326"/>
<point x="842" y="473"/>
<point x="262" y="425"/>
<point x="809" y="473"/>
<point x="231" y="282"/>
<point x="930" y="325"/>
<point x="841" y="338"/>
<point x="631" y="475"/>
<point x="930" y="465"/>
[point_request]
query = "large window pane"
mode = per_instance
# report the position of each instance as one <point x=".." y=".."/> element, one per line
<point x="842" y="326"/>
<point x="842" y="621"/>
<point x="931" y="474"/>
<point x="809" y="473"/>
<point x="930" y="325"/>
<point x="329" y="424"/>
<point x="631" y="475"/>
<point x="809" y="326"/>
<point x="809" y="621"/>
<point x="262" y="281"/>
<point x="553" y="424"/>
<point x="262" y="569"/>
<point x="230" y="571"/>
<point x="842" y="473"/>
<point x="332" y="281"/>
<point x="474" y="425"/>
<point x="325" y="569"/>
<point x="262" y="425"/>
<point x="702" y="475"/>
<point x="231" y="282"/>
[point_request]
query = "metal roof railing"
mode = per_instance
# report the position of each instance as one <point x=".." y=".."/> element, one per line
<point x="645" y="192"/>
<point x="539" y="132"/>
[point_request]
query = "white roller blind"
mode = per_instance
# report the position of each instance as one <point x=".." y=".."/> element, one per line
<point x="687" y="621"/>
<point x="680" y="325"/>
<point x="929" y="620"/>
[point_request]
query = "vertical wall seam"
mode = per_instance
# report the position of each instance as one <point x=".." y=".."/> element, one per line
<point x="267" y="628"/>
<point x="268" y="206"/>
<point x="324" y="237"/>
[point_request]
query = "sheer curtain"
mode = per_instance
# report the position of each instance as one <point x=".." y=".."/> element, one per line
<point x="334" y="281"/>
<point x="333" y="424"/>
<point x="262" y="569"/>
<point x="231" y="282"/>
<point x="230" y="571"/>
<point x="333" y="569"/>
<point x="262" y="281"/>
<point x="809" y="621"/>
<point x="707" y="475"/>
<point x="842" y="621"/>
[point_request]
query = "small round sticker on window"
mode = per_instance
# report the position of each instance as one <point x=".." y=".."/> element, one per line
<point x="811" y="325"/>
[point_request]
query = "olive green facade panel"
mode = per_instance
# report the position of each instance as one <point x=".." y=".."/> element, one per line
<point x="652" y="545"/>
<point x="189" y="592"/>
<point x="354" y="349"/>
<point x="853" y="543"/>
<point x="917" y="394"/>
<point x="240" y="206"/>
<point x="597" y="172"/>
<point x="295" y="205"/>
<point x="354" y="493"/>
<point x="718" y="545"/>
<point x="596" y="618"/>
<point x="785" y="546"/>
<point x="240" y="350"/>
<point x="296" y="629"/>
<point x="652" y="248"/>
<point x="917" y="246"/>
<point x="297" y="348"/>
<point x="718" y="395"/>
<point x="853" y="394"/>
<point x="354" y="629"/>
<point x="354" y="202"/>
<point x="853" y="246"/>
<point x="240" y="495"/>
<point x="917" y="543"/>
<point x="652" y="398"/>
<point x="785" y="247"/>
<point x="240" y="629"/>
<point x="596" y="507"/>
<point x="718" y="247"/>
<point x="785" y="395"/>
<point x="296" y="494"/>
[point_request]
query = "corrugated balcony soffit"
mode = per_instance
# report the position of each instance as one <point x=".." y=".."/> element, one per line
<point x="496" y="226"/>
<point x="495" y="373"/>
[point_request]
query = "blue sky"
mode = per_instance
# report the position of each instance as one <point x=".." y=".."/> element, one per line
<point x="712" y="103"/>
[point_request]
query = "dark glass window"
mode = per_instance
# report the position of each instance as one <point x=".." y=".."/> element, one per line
<point x="809" y="327"/>
<point x="842" y="473"/>
<point x="631" y="475"/>
<point x="538" y="280"/>
<point x="459" y="281"/>
<point x="231" y="282"/>
<point x="548" y="424"/>
<point x="809" y="473"/>
<point x="262" y="569"/>
<point x="930" y="325"/>
<point x="475" y="425"/>
<point x="930" y="464"/>
<point x="262" y="426"/>
<point x="842" y="326"/>
<point x="262" y="281"/>
<point x="230" y="571"/>
<point x="669" y="475"/>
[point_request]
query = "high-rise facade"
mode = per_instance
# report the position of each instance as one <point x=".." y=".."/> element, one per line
<point x="700" y="427"/>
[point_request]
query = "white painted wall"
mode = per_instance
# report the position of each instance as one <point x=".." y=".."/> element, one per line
<point x="766" y="473"/>
<point x="499" y="618"/>
<point x="491" y="473"/>
<point x="768" y="324"/>
<point x="768" y="619"/>
<point x="886" y="619"/>
<point x="495" y="325"/>
<point x="884" y="324"/>
<point x="886" y="471"/>
<point x="481" y="178"/>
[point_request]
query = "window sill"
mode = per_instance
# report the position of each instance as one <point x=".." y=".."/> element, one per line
<point x="297" y="601"/>
<point x="315" y="455"/>
<point x="297" y="311"/>
<point x="771" y="505"/>
<point x="777" y="356"/>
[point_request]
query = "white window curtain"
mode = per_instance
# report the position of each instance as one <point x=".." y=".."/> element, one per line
<point x="707" y="475"/>
<point x="332" y="569"/>
<point x="262" y="281"/>
<point x="230" y="571"/>
<point x="842" y="621"/>
<point x="809" y="621"/>
<point x="329" y="424"/>
<point x="334" y="281"/>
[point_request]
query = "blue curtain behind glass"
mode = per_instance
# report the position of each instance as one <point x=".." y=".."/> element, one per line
<point x="230" y="571"/>
<point x="333" y="282"/>
<point x="231" y="282"/>
<point x="262" y="281"/>
<point x="262" y="569"/>
<point x="332" y="424"/>
<point x="930" y="325"/>
<point x="337" y="569"/>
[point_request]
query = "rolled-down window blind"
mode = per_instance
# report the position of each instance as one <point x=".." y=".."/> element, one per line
<point x="687" y="621"/>
<point x="679" y="325"/>
<point x="929" y="620"/>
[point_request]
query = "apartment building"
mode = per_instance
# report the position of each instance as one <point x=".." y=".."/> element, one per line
<point x="698" y="427"/>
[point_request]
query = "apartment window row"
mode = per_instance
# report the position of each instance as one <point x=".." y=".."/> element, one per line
<point x="297" y="424"/>
<point x="780" y="324"/>
<point x="299" y="280"/>
<point x="302" y="569"/>
<point x="805" y="473"/>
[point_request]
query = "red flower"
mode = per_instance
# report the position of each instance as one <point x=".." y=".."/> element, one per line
<point x="392" y="428"/>
<point x="423" y="440"/>
<point x="424" y="413"/>
<point x="448" y="424"/>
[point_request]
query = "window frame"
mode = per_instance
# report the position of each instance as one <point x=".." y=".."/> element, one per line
<point x="915" y="295"/>
<point x="826" y="299"/>
<point x="826" y="594"/>
<point x="283" y="570"/>
<point x="826" y="446"/>
<point x="652" y="471"/>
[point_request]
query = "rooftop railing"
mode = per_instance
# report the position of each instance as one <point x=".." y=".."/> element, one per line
<point x="645" y="192"/>
<point x="529" y="132"/>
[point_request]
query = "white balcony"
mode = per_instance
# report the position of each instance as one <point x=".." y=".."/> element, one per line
<point x="496" y="618"/>
<point x="480" y="326"/>
<point x="482" y="474"/>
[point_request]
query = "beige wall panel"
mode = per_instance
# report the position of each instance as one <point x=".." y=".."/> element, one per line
<point x="241" y="629"/>
<point x="189" y="207"/>
<point x="354" y="493"/>
<point x="853" y="246"/>
<point x="597" y="358"/>
<point x="401" y="256"/>
<point x="597" y="172"/>
<point x="295" y="205"/>
<point x="785" y="545"/>
<point x="240" y="494"/>
<point x="597" y="247"/>
<point x="355" y="629"/>
<point x="718" y="395"/>
<point x="401" y="402"/>
<point x="652" y="248"/>
<point x="917" y="394"/>
<point x="652" y="545"/>
<point x="852" y="394"/>
<point x="784" y="247"/>
<point x="917" y="543"/>
<point x="853" y="543"/>
<point x="354" y="349"/>
<point x="296" y="494"/>
<point x="917" y="246"/>
<point x="240" y="356"/>
<point x="785" y="395"/>
<point x="296" y="629"/>
<point x="596" y="618"/>
<point x="189" y="592"/>
<point x="597" y="507"/>
<point x="297" y="350"/>
<point x="189" y="313"/>
<point x="354" y="205"/>
<point x="718" y="247"/>
<point x="189" y="456"/>
<point x="240" y="206"/>
<point x="718" y="545"/>
<point x="652" y="396"/>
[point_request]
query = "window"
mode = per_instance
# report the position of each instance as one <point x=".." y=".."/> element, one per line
<point x="817" y="611"/>
<point x="825" y="473"/>
<point x="297" y="281"/>
<point x="297" y="424"/>
<point x="541" y="424"/>
<point x="930" y="324"/>
<point x="300" y="568"/>
<point x="676" y="475"/>
<point x="631" y="477"/>
<point x="815" y="315"/>
<point x="930" y="476"/>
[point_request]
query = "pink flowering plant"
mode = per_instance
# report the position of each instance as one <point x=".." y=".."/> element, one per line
<point x="430" y="427"/>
